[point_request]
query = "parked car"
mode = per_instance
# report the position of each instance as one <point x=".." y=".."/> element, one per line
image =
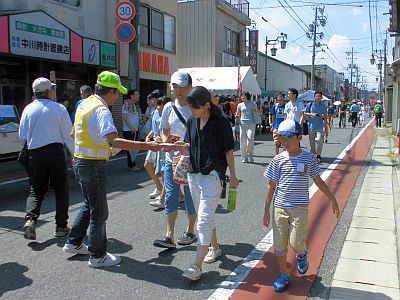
<point x="9" y="125"/>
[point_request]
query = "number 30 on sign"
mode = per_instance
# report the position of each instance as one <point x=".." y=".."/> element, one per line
<point x="125" y="11"/>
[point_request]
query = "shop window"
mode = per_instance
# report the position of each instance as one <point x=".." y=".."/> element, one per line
<point x="157" y="29"/>
<point x="144" y="33"/>
<point x="169" y="32"/>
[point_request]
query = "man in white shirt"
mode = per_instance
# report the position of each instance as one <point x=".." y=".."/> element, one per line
<point x="46" y="126"/>
<point x="294" y="108"/>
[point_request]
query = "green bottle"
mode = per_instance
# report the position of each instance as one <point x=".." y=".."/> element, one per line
<point x="232" y="199"/>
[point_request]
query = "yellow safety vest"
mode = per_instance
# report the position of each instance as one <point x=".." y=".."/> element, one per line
<point x="85" y="147"/>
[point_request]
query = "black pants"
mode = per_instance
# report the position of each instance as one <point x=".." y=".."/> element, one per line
<point x="46" y="163"/>
<point x="378" y="119"/>
<point x="132" y="137"/>
<point x="354" y="117"/>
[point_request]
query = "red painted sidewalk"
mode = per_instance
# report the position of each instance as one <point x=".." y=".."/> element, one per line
<point x="322" y="222"/>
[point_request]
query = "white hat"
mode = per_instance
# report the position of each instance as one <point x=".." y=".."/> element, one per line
<point x="289" y="128"/>
<point x="181" y="78"/>
<point x="42" y="84"/>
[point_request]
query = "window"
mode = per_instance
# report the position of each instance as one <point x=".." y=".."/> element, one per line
<point x="169" y="33"/>
<point x="157" y="29"/>
<point x="232" y="41"/>
<point x="144" y="34"/>
<point x="74" y="3"/>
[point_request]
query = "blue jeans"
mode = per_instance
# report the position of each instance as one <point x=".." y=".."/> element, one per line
<point x="94" y="210"/>
<point x="172" y="192"/>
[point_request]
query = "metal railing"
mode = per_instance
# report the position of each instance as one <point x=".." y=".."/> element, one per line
<point x="240" y="5"/>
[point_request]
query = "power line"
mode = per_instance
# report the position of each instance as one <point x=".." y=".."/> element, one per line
<point x="292" y="16"/>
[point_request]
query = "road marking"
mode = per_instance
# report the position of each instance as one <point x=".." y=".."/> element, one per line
<point x="26" y="178"/>
<point x="235" y="279"/>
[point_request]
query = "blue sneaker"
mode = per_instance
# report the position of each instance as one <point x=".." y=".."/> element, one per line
<point x="302" y="263"/>
<point x="282" y="282"/>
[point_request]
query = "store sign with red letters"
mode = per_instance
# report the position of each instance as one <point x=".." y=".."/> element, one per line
<point x="153" y="63"/>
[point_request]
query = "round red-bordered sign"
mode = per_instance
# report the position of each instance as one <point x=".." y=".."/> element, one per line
<point x="125" y="11"/>
<point x="125" y="32"/>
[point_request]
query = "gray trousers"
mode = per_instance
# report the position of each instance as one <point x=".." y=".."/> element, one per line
<point x="316" y="137"/>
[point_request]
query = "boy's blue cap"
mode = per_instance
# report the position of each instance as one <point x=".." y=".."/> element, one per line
<point x="289" y="128"/>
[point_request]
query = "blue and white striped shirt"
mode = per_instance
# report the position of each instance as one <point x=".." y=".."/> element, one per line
<point x="291" y="175"/>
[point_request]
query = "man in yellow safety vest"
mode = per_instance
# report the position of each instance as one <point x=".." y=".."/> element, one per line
<point x="94" y="131"/>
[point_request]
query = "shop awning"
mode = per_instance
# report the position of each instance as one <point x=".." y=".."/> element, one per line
<point x="224" y="80"/>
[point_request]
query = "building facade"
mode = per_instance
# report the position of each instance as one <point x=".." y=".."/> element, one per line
<point x="280" y="76"/>
<point x="54" y="39"/>
<point x="212" y="33"/>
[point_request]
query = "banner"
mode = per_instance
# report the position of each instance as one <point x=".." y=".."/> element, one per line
<point x="253" y="50"/>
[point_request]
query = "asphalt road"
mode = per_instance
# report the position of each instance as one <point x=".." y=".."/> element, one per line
<point x="40" y="269"/>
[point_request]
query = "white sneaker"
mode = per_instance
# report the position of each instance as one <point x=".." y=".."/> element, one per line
<point x="193" y="273"/>
<point x="251" y="158"/>
<point x="81" y="249"/>
<point x="212" y="254"/>
<point x="107" y="260"/>
<point x="245" y="159"/>
<point x="154" y="194"/>
<point x="157" y="202"/>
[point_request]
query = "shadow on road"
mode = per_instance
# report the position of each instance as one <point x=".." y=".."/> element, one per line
<point x="12" y="277"/>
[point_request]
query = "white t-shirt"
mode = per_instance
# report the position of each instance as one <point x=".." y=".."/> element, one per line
<point x="133" y="116"/>
<point x="294" y="110"/>
<point x="100" y="123"/>
<point x="169" y="120"/>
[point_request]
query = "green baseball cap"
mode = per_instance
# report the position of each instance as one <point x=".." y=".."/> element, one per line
<point x="111" y="80"/>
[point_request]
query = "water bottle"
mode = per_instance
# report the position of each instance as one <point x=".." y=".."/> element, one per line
<point x="232" y="199"/>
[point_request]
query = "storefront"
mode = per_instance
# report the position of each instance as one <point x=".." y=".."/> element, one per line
<point x="34" y="44"/>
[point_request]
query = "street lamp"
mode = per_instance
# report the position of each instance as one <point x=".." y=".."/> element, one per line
<point x="281" y="39"/>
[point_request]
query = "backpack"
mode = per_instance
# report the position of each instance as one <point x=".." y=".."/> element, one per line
<point x="377" y="108"/>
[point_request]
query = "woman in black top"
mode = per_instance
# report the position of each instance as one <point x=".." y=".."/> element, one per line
<point x="210" y="138"/>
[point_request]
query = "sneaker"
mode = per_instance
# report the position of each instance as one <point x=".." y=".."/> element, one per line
<point x="82" y="249"/>
<point x="135" y="169"/>
<point x="302" y="263"/>
<point x="186" y="239"/>
<point x="30" y="230"/>
<point x="213" y="254"/>
<point x="282" y="282"/>
<point x="157" y="202"/>
<point x="245" y="159"/>
<point x="192" y="273"/>
<point x="251" y="158"/>
<point x="108" y="260"/>
<point x="326" y="141"/>
<point x="155" y="193"/>
<point x="61" y="231"/>
<point x="319" y="159"/>
<point x="165" y="242"/>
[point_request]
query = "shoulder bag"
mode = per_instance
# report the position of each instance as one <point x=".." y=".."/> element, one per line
<point x="23" y="156"/>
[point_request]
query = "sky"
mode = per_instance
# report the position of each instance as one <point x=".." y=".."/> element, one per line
<point x="347" y="26"/>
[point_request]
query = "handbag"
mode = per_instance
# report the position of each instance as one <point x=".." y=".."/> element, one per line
<point x="23" y="156"/>
<point x="305" y="123"/>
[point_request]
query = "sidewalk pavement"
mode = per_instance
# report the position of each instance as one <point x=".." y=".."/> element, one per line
<point x="368" y="265"/>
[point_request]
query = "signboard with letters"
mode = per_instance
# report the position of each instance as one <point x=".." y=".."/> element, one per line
<point x="107" y="54"/>
<point x="253" y="50"/>
<point x="38" y="35"/>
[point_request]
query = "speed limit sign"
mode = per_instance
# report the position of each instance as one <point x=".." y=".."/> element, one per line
<point x="125" y="11"/>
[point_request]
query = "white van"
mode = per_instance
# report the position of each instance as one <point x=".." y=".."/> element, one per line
<point x="9" y="125"/>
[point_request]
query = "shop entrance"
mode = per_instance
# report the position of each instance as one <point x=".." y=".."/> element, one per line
<point x="14" y="94"/>
<point x="147" y="86"/>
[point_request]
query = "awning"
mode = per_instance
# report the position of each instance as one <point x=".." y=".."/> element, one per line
<point x="224" y="80"/>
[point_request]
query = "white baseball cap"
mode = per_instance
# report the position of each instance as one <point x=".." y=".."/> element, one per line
<point x="42" y="84"/>
<point x="181" y="78"/>
<point x="289" y="128"/>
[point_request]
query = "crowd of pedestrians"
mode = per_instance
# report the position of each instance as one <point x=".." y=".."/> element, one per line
<point x="190" y="142"/>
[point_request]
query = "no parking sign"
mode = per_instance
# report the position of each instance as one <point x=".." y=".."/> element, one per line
<point x="125" y="32"/>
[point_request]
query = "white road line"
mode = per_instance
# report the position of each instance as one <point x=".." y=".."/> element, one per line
<point x="26" y="178"/>
<point x="233" y="281"/>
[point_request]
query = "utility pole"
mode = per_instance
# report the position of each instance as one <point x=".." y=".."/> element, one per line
<point x="133" y="69"/>
<point x="357" y="77"/>
<point x="351" y="66"/>
<point x="313" y="55"/>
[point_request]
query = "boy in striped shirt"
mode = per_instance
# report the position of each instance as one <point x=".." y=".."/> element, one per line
<point x="288" y="188"/>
